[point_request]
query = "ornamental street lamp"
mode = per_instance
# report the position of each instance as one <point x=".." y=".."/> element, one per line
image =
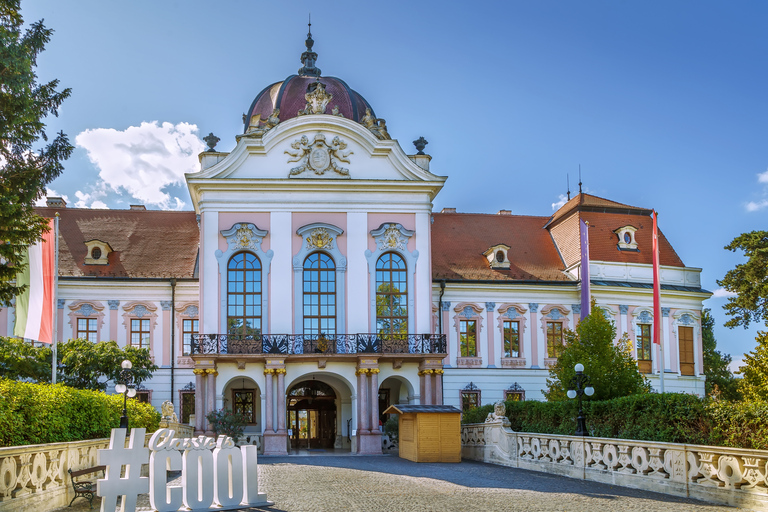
<point x="580" y="385"/>
<point x="125" y="386"/>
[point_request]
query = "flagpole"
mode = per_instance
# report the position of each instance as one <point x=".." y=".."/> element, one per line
<point x="657" y="299"/>
<point x="54" y="350"/>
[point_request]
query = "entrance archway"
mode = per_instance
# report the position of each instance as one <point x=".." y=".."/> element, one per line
<point x="312" y="415"/>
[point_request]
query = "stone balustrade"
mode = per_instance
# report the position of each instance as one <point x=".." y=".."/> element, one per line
<point x="728" y="476"/>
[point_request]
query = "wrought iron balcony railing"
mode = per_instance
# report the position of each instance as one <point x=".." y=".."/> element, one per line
<point x="318" y="344"/>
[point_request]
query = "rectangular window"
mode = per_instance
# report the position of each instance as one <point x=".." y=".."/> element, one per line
<point x="685" y="336"/>
<point x="243" y="404"/>
<point x="644" y="342"/>
<point x="514" y="396"/>
<point x="142" y="396"/>
<point x="188" y="328"/>
<point x="554" y="339"/>
<point x="468" y="338"/>
<point x="511" y="338"/>
<point x="86" y="329"/>
<point x="140" y="332"/>
<point x="469" y="400"/>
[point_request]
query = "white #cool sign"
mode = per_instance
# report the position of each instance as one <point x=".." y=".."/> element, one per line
<point x="215" y="474"/>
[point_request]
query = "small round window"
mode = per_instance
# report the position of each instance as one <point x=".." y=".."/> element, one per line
<point x="500" y="256"/>
<point x="627" y="238"/>
<point x="96" y="253"/>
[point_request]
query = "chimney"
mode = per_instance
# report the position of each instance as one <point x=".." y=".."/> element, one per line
<point x="505" y="212"/>
<point x="138" y="207"/>
<point x="448" y="210"/>
<point x="55" y="202"/>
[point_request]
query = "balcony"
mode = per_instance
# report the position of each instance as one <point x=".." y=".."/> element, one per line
<point x="289" y="344"/>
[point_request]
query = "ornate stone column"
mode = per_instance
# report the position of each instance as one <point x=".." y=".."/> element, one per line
<point x="362" y="393"/>
<point x="199" y="390"/>
<point x="211" y="396"/>
<point x="438" y="386"/>
<point x="374" y="372"/>
<point x="489" y="308"/>
<point x="426" y="375"/>
<point x="281" y="400"/>
<point x="270" y="401"/>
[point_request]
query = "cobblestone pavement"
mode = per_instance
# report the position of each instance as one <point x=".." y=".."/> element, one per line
<point x="388" y="483"/>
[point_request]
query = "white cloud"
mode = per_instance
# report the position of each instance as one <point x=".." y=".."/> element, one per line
<point x="736" y="364"/>
<point x="722" y="293"/>
<point x="763" y="177"/>
<point x="753" y="206"/>
<point x="562" y="199"/>
<point x="143" y="160"/>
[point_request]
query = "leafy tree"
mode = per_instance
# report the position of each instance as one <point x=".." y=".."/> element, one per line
<point x="754" y="382"/>
<point x="749" y="280"/>
<point x="20" y="360"/>
<point x="720" y="381"/>
<point x="24" y="171"/>
<point x="226" y="422"/>
<point x="611" y="368"/>
<point x="84" y="364"/>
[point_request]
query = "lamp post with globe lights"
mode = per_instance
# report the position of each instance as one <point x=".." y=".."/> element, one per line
<point x="125" y="386"/>
<point x="580" y="385"/>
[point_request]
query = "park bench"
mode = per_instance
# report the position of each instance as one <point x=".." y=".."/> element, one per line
<point x="85" y="488"/>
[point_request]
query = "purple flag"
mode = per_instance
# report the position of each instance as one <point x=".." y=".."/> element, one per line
<point x="585" y="292"/>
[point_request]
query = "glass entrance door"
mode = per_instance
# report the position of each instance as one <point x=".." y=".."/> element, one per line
<point x="311" y="416"/>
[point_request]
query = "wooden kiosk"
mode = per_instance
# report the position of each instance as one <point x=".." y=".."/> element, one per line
<point x="428" y="433"/>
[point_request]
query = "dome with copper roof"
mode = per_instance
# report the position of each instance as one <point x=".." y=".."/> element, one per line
<point x="289" y="98"/>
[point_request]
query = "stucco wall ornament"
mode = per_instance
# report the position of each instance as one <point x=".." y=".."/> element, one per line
<point x="319" y="239"/>
<point x="392" y="239"/>
<point x="317" y="99"/>
<point x="318" y="156"/>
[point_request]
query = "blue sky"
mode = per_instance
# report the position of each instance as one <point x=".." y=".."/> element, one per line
<point x="662" y="103"/>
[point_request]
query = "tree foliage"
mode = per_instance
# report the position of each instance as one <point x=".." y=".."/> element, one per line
<point x="81" y="363"/>
<point x="226" y="422"/>
<point x="720" y="381"/>
<point x="611" y="367"/>
<point x="748" y="280"/>
<point x="754" y="382"/>
<point x="24" y="170"/>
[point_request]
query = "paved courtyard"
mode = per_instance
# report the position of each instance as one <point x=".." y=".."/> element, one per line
<point x="387" y="483"/>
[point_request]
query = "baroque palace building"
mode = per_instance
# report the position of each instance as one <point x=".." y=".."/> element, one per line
<point x="313" y="286"/>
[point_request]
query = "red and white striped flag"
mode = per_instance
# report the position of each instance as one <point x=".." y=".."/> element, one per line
<point x="34" y="307"/>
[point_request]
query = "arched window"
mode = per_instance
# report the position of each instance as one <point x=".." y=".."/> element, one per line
<point x="319" y="295"/>
<point x="391" y="295"/>
<point x="244" y="294"/>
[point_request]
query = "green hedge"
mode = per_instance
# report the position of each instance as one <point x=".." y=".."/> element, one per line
<point x="45" y="413"/>
<point x="669" y="417"/>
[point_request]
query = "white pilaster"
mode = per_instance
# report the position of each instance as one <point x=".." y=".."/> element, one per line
<point x="280" y="288"/>
<point x="209" y="295"/>
<point x="357" y="274"/>
<point x="423" y="292"/>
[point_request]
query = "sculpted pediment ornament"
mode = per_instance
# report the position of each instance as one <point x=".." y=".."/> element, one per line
<point x="319" y="238"/>
<point x="318" y="156"/>
<point x="317" y="100"/>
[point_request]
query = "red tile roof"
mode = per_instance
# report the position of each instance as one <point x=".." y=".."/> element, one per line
<point x="145" y="243"/>
<point x="460" y="239"/>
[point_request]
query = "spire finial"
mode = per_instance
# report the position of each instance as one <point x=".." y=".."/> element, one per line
<point x="568" y="185"/>
<point x="580" y="179"/>
<point x="308" y="58"/>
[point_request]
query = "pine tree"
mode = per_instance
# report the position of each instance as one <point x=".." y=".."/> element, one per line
<point x="748" y="280"/>
<point x="720" y="380"/>
<point x="611" y="368"/>
<point x="24" y="170"/>
<point x="754" y="382"/>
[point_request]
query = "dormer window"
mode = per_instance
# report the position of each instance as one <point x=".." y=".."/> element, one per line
<point x="626" y="236"/>
<point x="498" y="256"/>
<point x="98" y="252"/>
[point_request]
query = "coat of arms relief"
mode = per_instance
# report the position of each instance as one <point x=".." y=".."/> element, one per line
<point x="319" y="156"/>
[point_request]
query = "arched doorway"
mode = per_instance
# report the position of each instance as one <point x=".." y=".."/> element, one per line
<point x="312" y="415"/>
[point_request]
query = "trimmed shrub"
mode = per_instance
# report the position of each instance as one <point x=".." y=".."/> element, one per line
<point x="669" y="417"/>
<point x="44" y="413"/>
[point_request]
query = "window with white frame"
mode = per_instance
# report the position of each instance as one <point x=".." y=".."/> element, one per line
<point x="244" y="294"/>
<point x="319" y="304"/>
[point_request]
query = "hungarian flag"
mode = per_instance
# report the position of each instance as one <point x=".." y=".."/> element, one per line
<point x="34" y="307"/>
<point x="656" y="282"/>
<point x="585" y="291"/>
